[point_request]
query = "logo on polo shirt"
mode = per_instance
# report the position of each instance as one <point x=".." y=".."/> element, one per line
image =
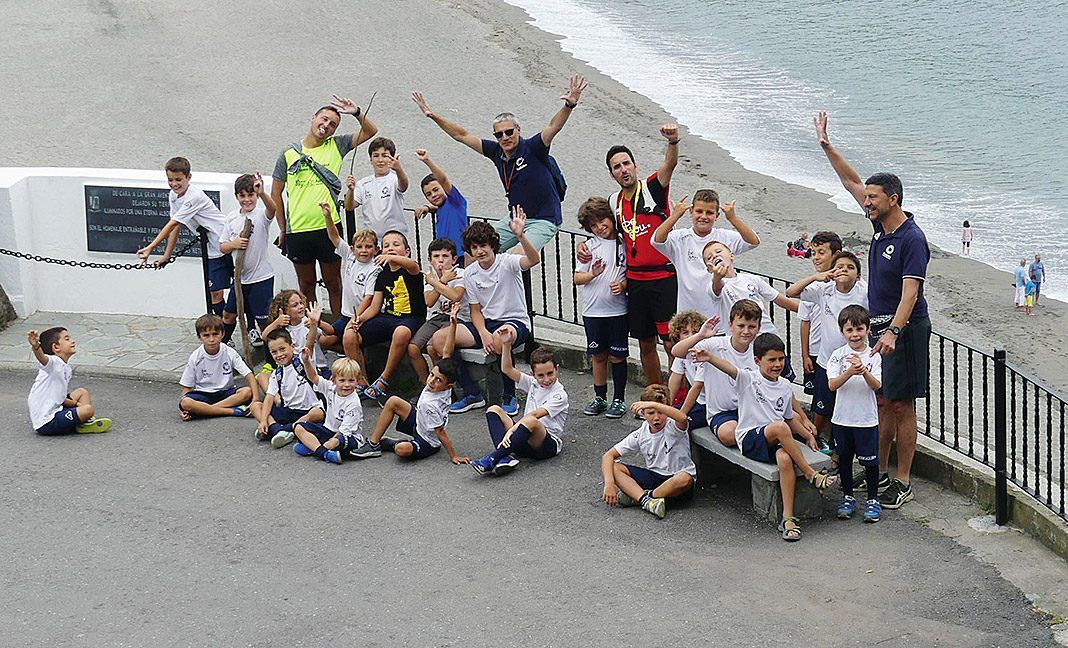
<point x="889" y="251"/>
<point x="386" y="192"/>
<point x="692" y="256"/>
<point x="226" y="367"/>
<point x="779" y="402"/>
<point x="520" y="164"/>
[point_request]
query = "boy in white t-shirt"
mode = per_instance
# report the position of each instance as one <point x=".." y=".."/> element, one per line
<point x="854" y="373"/>
<point x="382" y="194"/>
<point x="53" y="409"/>
<point x="664" y="442"/>
<point x="767" y="425"/>
<point x="686" y="373"/>
<point x="208" y="380"/>
<point x="538" y="435"/>
<point x="685" y="246"/>
<point x="257" y="275"/>
<point x="823" y="247"/>
<point x="604" y="307"/>
<point x="191" y="207"/>
<point x="290" y="398"/>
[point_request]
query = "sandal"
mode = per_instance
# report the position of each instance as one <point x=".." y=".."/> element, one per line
<point x="822" y="481"/>
<point x="377" y="389"/>
<point x="791" y="530"/>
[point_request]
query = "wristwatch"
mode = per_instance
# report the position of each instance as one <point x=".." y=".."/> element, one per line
<point x="896" y="330"/>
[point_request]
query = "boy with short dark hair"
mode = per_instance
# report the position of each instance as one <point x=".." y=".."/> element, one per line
<point x="257" y="275"/>
<point x="604" y="307"/>
<point x="687" y="373"/>
<point x="290" y="397"/>
<point x="446" y="202"/>
<point x="822" y="248"/>
<point x="381" y="194"/>
<point x="53" y="409"/>
<point x="208" y="380"/>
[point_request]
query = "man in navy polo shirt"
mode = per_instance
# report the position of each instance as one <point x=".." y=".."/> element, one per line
<point x="523" y="165"/>
<point x="900" y="327"/>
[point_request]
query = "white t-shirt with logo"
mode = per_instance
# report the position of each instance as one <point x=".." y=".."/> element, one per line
<point x="296" y="390"/>
<point x="721" y="392"/>
<point x="49" y="390"/>
<point x="498" y="289"/>
<point x="194" y="209"/>
<point x="443" y="305"/>
<point x="854" y="403"/>
<point x="431" y="413"/>
<point x="382" y="203"/>
<point x="684" y="247"/>
<point x="761" y="401"/>
<point x="693" y="371"/>
<point x="212" y="373"/>
<point x="597" y="297"/>
<point x="553" y="398"/>
<point x="828" y="302"/>
<point x="344" y="414"/>
<point x="357" y="279"/>
<point x="745" y="286"/>
<point x="257" y="266"/>
<point x="666" y="452"/>
<point x="806" y="312"/>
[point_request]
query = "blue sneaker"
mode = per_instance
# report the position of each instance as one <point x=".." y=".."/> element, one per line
<point x="825" y="447"/>
<point x="511" y="407"/>
<point x="847" y="507"/>
<point x="367" y="451"/>
<point x="302" y="449"/>
<point x="873" y="510"/>
<point x="505" y="465"/>
<point x="332" y="456"/>
<point x="485" y="465"/>
<point x="467" y="403"/>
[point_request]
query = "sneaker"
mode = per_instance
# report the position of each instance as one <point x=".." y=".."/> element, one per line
<point x="282" y="439"/>
<point x="873" y="511"/>
<point x="860" y="482"/>
<point x="596" y="407"/>
<point x="332" y="456"/>
<point x="625" y="500"/>
<point x="254" y="338"/>
<point x="262" y="436"/>
<point x="388" y="443"/>
<point x="618" y="409"/>
<point x="467" y="403"/>
<point x="94" y="426"/>
<point x="511" y="407"/>
<point x="366" y="451"/>
<point x="302" y="449"/>
<point x="505" y="466"/>
<point x="825" y="447"/>
<point x="484" y="466"/>
<point x="896" y="495"/>
<point x="847" y="507"/>
<point x="656" y="506"/>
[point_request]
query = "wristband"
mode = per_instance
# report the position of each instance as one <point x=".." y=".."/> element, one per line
<point x="569" y="104"/>
<point x="673" y="143"/>
<point x="357" y="113"/>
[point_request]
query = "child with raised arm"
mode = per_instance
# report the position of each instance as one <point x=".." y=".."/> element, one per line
<point x="664" y="442"/>
<point x="208" y="380"/>
<point x="604" y="307"/>
<point x="823" y="247"/>
<point x="289" y="311"/>
<point x="257" y="275"/>
<point x="686" y="373"/>
<point x="766" y="422"/>
<point x="191" y="207"/>
<point x="854" y="373"/>
<point x="358" y="273"/>
<point x="537" y="435"/>
<point x="381" y="194"/>
<point x="54" y="409"/>
<point x="290" y="397"/>
<point x="685" y="246"/>
<point x="446" y="202"/>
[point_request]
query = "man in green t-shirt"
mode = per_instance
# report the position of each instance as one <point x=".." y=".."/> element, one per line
<point x="303" y="237"/>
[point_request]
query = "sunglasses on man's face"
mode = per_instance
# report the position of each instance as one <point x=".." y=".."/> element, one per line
<point x="503" y="133"/>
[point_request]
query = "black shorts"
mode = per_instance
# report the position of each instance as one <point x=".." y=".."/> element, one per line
<point x="303" y="248"/>
<point x="652" y="304"/>
<point x="907" y="370"/>
<point x="606" y="335"/>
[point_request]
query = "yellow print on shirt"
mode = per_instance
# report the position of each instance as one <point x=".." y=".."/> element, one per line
<point x="401" y="302"/>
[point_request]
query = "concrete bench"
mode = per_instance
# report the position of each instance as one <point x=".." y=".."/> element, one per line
<point x="767" y="498"/>
<point x="485" y="370"/>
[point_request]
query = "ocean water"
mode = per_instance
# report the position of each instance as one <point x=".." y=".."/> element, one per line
<point x="966" y="100"/>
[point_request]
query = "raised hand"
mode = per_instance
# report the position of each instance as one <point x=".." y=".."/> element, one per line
<point x="454" y="312"/>
<point x="598" y="266"/>
<point x="351" y="181"/>
<point x="670" y="132"/>
<point x="420" y="101"/>
<point x="34" y="339"/>
<point x="315" y="314"/>
<point x="678" y="209"/>
<point x="576" y="83"/>
<point x="518" y="221"/>
<point x="820" y="122"/>
<point x="394" y="162"/>
<point x="422" y="155"/>
<point x="325" y="207"/>
<point x="728" y="210"/>
<point x="257" y="184"/>
<point x="710" y="327"/>
<point x="448" y="275"/>
<point x="701" y="355"/>
<point x="421" y="211"/>
<point x="344" y="105"/>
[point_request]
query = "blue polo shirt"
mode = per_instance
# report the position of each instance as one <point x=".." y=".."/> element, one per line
<point x="450" y="220"/>
<point x="526" y="178"/>
<point x="1038" y="271"/>
<point x="893" y="257"/>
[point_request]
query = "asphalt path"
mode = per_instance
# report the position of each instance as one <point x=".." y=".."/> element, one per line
<point x="163" y="533"/>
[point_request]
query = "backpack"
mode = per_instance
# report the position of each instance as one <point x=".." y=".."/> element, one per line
<point x="298" y="366"/>
<point x="558" y="176"/>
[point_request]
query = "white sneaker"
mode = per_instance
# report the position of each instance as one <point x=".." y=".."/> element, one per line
<point x="254" y="338"/>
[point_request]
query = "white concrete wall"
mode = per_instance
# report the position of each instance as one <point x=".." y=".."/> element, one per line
<point x="42" y="211"/>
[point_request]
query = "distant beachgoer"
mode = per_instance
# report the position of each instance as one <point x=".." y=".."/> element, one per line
<point x="966" y="239"/>
<point x="1020" y="281"/>
<point x="1030" y="289"/>
<point x="530" y="176"/>
<point x="900" y="326"/>
<point x="1038" y="275"/>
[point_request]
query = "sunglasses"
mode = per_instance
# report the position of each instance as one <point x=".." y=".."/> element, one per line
<point x="504" y="133"/>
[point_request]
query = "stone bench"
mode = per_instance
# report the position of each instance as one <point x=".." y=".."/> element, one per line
<point x="485" y="370"/>
<point x="767" y="498"/>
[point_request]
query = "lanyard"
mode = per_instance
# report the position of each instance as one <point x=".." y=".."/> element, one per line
<point x="507" y="178"/>
<point x="630" y="227"/>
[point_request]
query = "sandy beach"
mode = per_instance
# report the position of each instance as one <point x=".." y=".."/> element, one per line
<point x="128" y="85"/>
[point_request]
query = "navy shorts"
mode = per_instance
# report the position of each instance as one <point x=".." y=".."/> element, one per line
<point x="522" y="333"/>
<point x="755" y="446"/>
<point x="208" y="397"/>
<point x="257" y="298"/>
<point x="809" y="378"/>
<point x="322" y="433"/>
<point x="380" y="327"/>
<point x="861" y="442"/>
<point x="698" y="417"/>
<point x="907" y="370"/>
<point x="822" y="398"/>
<point x="550" y="447"/>
<point x="421" y="448"/>
<point x="303" y="248"/>
<point x="606" y="335"/>
<point x="650" y="480"/>
<point x="64" y="422"/>
<point x="340" y="324"/>
<point x="286" y="415"/>
<point x="220" y="273"/>
<point x="719" y="418"/>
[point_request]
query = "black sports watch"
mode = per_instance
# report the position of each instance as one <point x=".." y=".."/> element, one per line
<point x="896" y="330"/>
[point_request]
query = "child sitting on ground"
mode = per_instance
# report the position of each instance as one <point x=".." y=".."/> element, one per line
<point x="686" y="373"/>
<point x="604" y="307"/>
<point x="289" y="312"/>
<point x="208" y="380"/>
<point x="446" y="202"/>
<point x="381" y="194"/>
<point x="767" y="425"/>
<point x="664" y="443"/>
<point x="257" y="275"/>
<point x="538" y="434"/>
<point x="54" y="409"/>
<point x="290" y="397"/>
<point x="854" y="373"/>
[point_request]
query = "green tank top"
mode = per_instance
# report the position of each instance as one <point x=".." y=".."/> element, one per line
<point x="305" y="191"/>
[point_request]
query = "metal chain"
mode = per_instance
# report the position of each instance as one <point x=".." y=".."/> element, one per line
<point x="100" y="266"/>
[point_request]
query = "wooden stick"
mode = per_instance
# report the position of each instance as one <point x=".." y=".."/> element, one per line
<point x="239" y="262"/>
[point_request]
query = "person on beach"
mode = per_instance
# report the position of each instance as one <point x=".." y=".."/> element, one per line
<point x="1020" y="276"/>
<point x="966" y="239"/>
<point x="900" y="326"/>
<point x="1030" y="291"/>
<point x="303" y="171"/>
<point x="531" y="177"/>
<point x="1038" y="275"/>
<point x="640" y="207"/>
